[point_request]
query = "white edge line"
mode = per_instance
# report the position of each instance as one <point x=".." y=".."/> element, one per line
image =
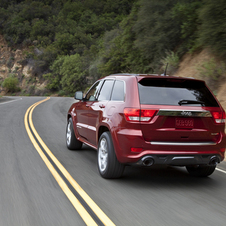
<point x="223" y="171"/>
<point x="11" y="101"/>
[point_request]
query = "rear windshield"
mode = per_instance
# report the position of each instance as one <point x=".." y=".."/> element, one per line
<point x="175" y="92"/>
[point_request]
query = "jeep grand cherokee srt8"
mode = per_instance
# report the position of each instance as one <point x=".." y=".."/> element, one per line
<point x="136" y="119"/>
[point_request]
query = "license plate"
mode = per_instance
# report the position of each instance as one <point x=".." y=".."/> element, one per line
<point x="184" y="123"/>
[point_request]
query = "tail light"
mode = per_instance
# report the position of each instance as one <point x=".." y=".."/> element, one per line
<point x="139" y="115"/>
<point x="219" y="116"/>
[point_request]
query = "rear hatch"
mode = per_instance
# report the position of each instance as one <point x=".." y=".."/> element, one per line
<point x="179" y="110"/>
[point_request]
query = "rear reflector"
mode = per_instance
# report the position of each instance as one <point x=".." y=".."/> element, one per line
<point x="136" y="115"/>
<point x="219" y="116"/>
<point x="222" y="149"/>
<point x="136" y="150"/>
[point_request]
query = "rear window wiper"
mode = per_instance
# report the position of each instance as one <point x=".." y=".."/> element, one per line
<point x="181" y="102"/>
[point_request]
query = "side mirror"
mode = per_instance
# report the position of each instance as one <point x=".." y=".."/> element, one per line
<point x="79" y="95"/>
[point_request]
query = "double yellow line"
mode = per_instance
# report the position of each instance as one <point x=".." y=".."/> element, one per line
<point x="34" y="137"/>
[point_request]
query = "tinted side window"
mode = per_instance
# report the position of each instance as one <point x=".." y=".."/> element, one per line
<point x="171" y="91"/>
<point x="105" y="92"/>
<point x="118" y="92"/>
<point x="93" y="92"/>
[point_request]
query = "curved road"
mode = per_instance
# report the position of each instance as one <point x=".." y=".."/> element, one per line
<point x="29" y="194"/>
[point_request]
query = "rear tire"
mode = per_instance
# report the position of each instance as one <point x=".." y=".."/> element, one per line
<point x="71" y="141"/>
<point x="108" y="165"/>
<point x="200" y="171"/>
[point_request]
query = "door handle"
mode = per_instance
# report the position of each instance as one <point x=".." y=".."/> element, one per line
<point x="102" y="106"/>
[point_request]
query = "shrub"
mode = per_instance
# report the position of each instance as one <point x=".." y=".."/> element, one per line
<point x="61" y="93"/>
<point x="11" y="84"/>
<point x="212" y="71"/>
<point x="172" y="59"/>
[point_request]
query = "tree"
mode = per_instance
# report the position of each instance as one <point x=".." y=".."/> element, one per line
<point x="187" y="13"/>
<point x="156" y="30"/>
<point x="72" y="72"/>
<point x="213" y="28"/>
<point x="55" y="76"/>
<point x="119" y="53"/>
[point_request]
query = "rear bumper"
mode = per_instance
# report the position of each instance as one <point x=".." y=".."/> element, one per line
<point x="168" y="153"/>
<point x="178" y="160"/>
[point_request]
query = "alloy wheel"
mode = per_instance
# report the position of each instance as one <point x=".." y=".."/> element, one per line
<point x="103" y="155"/>
<point x="69" y="133"/>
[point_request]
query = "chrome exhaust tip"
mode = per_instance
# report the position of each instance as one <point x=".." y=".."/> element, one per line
<point x="147" y="161"/>
<point x="214" y="160"/>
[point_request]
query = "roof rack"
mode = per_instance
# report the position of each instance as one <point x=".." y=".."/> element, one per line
<point x="131" y="74"/>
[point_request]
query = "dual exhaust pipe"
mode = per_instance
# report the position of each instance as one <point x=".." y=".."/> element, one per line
<point x="149" y="161"/>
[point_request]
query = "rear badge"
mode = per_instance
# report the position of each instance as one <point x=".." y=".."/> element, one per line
<point x="186" y="113"/>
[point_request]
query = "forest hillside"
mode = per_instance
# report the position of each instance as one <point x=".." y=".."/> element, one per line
<point x="60" y="46"/>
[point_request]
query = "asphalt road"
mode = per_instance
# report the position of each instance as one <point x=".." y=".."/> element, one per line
<point x="29" y="194"/>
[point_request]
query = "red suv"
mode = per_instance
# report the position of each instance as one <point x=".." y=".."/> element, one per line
<point x="142" y="120"/>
